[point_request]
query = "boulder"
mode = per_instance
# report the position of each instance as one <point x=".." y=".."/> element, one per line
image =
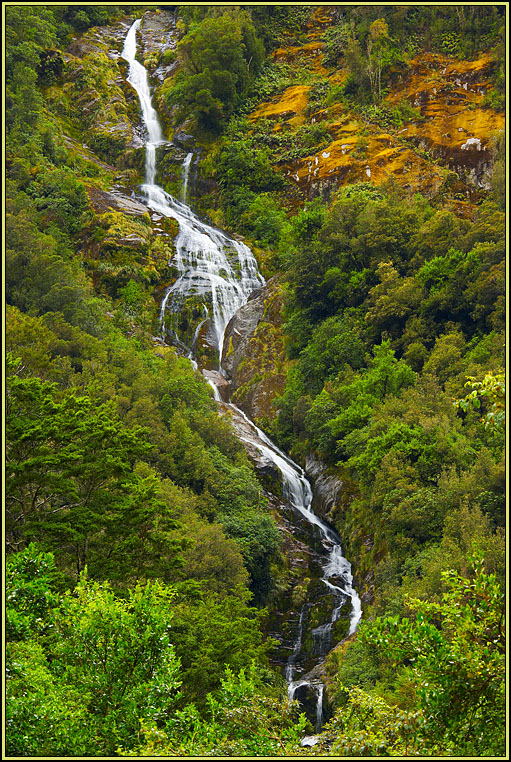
<point x="103" y="201"/>
<point x="182" y="140"/>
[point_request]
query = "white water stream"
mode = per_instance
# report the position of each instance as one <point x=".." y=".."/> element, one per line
<point x="186" y="173"/>
<point x="210" y="263"/>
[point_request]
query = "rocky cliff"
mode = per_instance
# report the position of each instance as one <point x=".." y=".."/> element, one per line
<point x="254" y="354"/>
<point x="443" y="147"/>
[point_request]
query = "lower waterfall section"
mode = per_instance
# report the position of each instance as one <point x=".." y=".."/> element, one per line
<point x="214" y="275"/>
<point x="334" y="579"/>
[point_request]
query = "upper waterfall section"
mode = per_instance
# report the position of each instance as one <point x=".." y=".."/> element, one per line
<point x="213" y="275"/>
<point x="137" y="77"/>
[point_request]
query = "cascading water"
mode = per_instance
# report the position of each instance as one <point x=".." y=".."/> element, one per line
<point x="298" y="493"/>
<point x="186" y="173"/>
<point x="209" y="263"/>
<point x="224" y="272"/>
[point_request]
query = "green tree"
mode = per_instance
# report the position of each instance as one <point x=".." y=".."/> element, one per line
<point x="85" y="666"/>
<point x="456" y="649"/>
<point x="377" y="43"/>
<point x="392" y="301"/>
<point x="335" y="342"/>
<point x="70" y="482"/>
<point x="118" y="652"/>
<point x="242" y="720"/>
<point x="28" y="30"/>
<point x="220" y="55"/>
<point x="491" y="389"/>
<point x="368" y="726"/>
<point x="29" y="593"/>
<point x="44" y="716"/>
<point x="211" y="631"/>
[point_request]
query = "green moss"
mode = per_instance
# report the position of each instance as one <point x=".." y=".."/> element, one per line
<point x="340" y="629"/>
<point x="300" y="592"/>
<point x="230" y="348"/>
<point x="100" y="102"/>
<point x="118" y="226"/>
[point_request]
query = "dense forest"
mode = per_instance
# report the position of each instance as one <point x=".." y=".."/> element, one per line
<point x="146" y="557"/>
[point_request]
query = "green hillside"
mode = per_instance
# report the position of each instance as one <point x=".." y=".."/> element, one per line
<point x="359" y="151"/>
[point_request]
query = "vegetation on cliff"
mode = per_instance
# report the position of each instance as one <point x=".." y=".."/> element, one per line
<point x="140" y="548"/>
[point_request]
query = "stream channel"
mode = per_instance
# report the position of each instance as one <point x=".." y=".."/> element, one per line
<point x="224" y="273"/>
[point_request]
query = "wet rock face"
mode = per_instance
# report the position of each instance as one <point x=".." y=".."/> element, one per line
<point x="308" y="697"/>
<point x="104" y="201"/>
<point x="96" y="76"/>
<point x="253" y="353"/>
<point x="332" y="498"/>
<point x="158" y="36"/>
<point x="158" y="31"/>
<point x="302" y="604"/>
<point x="327" y="488"/>
<point x="183" y="140"/>
<point x="95" y="84"/>
<point x="238" y="334"/>
<point x="220" y="382"/>
<point x="108" y="39"/>
<point x="265" y="466"/>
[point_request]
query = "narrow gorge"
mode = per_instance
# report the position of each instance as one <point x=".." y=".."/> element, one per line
<point x="223" y="273"/>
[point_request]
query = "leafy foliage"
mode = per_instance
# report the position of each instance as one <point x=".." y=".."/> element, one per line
<point x="116" y="459"/>
<point x="68" y="480"/>
<point x="457" y="652"/>
<point x="101" y="665"/>
<point x="220" y="55"/>
<point x="241" y="721"/>
<point x="440" y="669"/>
<point x="492" y="387"/>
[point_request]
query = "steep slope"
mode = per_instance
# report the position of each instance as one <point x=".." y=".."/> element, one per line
<point x="374" y="355"/>
<point x="443" y="146"/>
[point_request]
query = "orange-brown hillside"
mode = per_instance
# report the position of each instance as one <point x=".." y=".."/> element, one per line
<point x="446" y="149"/>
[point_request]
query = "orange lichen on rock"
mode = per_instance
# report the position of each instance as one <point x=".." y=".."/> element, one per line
<point x="453" y="131"/>
<point x="345" y="128"/>
<point x="411" y="171"/>
<point x="454" y="126"/>
<point x="321" y="18"/>
<point x="289" y="106"/>
<point x="343" y="161"/>
<point x="310" y="53"/>
<point x="467" y="67"/>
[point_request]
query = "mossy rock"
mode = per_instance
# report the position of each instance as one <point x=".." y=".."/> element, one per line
<point x="96" y="95"/>
<point x="133" y="158"/>
<point x="186" y="323"/>
<point x="120" y="227"/>
<point x="170" y="170"/>
<point x="300" y="593"/>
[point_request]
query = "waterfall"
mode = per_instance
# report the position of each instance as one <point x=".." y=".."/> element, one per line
<point x="224" y="271"/>
<point x="137" y="77"/>
<point x="208" y="262"/>
<point x="186" y="172"/>
<point x="290" y="666"/>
